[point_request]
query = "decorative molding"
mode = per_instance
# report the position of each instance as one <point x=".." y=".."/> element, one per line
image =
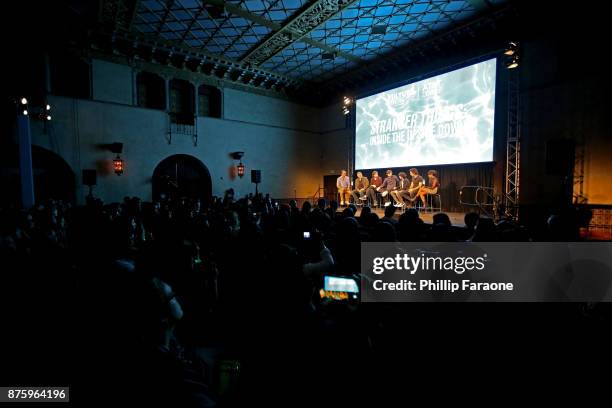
<point x="306" y="21"/>
<point x="166" y="71"/>
<point x="276" y="28"/>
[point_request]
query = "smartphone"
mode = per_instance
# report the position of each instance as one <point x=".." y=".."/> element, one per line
<point x="339" y="284"/>
<point x="339" y="288"/>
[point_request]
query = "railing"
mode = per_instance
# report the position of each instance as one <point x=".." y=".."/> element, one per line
<point x="484" y="199"/>
<point x="182" y="124"/>
<point x="317" y="195"/>
<point x="600" y="226"/>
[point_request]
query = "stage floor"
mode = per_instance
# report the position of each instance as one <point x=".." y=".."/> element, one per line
<point x="455" y="217"/>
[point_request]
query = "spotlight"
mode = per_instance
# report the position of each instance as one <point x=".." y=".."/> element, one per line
<point x="347" y="101"/>
<point x="48" y="107"/>
<point x="48" y="117"/>
<point x="24" y="101"/>
<point x="25" y="112"/>
<point x="511" y="49"/>
<point x="513" y="62"/>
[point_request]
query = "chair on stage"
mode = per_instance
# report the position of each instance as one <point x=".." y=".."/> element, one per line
<point x="430" y="198"/>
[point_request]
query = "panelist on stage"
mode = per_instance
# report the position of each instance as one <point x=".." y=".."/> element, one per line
<point x="415" y="186"/>
<point x="375" y="182"/>
<point x="402" y="188"/>
<point x="361" y="185"/>
<point x="389" y="184"/>
<point x="432" y="188"/>
<point x="343" y="183"/>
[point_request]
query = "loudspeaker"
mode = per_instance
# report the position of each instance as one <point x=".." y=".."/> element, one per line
<point x="256" y="176"/>
<point x="89" y="177"/>
<point x="560" y="157"/>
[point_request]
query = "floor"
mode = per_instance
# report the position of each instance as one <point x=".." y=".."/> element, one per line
<point x="455" y="217"/>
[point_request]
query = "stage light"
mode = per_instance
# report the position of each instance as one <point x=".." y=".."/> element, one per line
<point x="513" y="63"/>
<point x="25" y="112"/>
<point x="240" y="169"/>
<point x="118" y="165"/>
<point x="511" y="49"/>
<point x="24" y="101"/>
<point x="48" y="117"/>
<point x="347" y="102"/>
<point x="48" y="107"/>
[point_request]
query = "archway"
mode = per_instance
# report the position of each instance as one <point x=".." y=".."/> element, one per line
<point x="181" y="175"/>
<point x="53" y="177"/>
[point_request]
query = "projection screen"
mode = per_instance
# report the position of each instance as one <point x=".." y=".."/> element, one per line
<point x="445" y="119"/>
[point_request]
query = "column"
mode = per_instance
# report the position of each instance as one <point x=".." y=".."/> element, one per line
<point x="135" y="86"/>
<point x="196" y="102"/>
<point x="25" y="160"/>
<point x="167" y="83"/>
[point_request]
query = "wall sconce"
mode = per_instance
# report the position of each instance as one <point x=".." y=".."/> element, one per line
<point x="118" y="165"/>
<point x="240" y="169"/>
<point x="240" y="166"/>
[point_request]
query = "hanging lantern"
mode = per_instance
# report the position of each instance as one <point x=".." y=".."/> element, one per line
<point x="118" y="165"/>
<point x="240" y="169"/>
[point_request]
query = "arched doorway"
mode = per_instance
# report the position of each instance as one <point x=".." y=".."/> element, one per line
<point x="53" y="177"/>
<point x="181" y="175"/>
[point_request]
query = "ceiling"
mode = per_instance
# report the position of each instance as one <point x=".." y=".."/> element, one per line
<point x="281" y="45"/>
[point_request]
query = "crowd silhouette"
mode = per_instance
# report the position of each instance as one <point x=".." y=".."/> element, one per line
<point x="140" y="289"/>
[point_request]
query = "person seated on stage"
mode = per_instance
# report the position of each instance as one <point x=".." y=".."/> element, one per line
<point x="344" y="188"/>
<point x="432" y="188"/>
<point x="402" y="188"/>
<point x="361" y="185"/>
<point x="412" y="193"/>
<point x="390" y="183"/>
<point x="375" y="182"/>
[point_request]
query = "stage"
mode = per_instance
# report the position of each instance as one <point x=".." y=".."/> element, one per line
<point x="457" y="218"/>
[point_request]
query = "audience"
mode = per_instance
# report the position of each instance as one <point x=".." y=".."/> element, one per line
<point x="176" y="274"/>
